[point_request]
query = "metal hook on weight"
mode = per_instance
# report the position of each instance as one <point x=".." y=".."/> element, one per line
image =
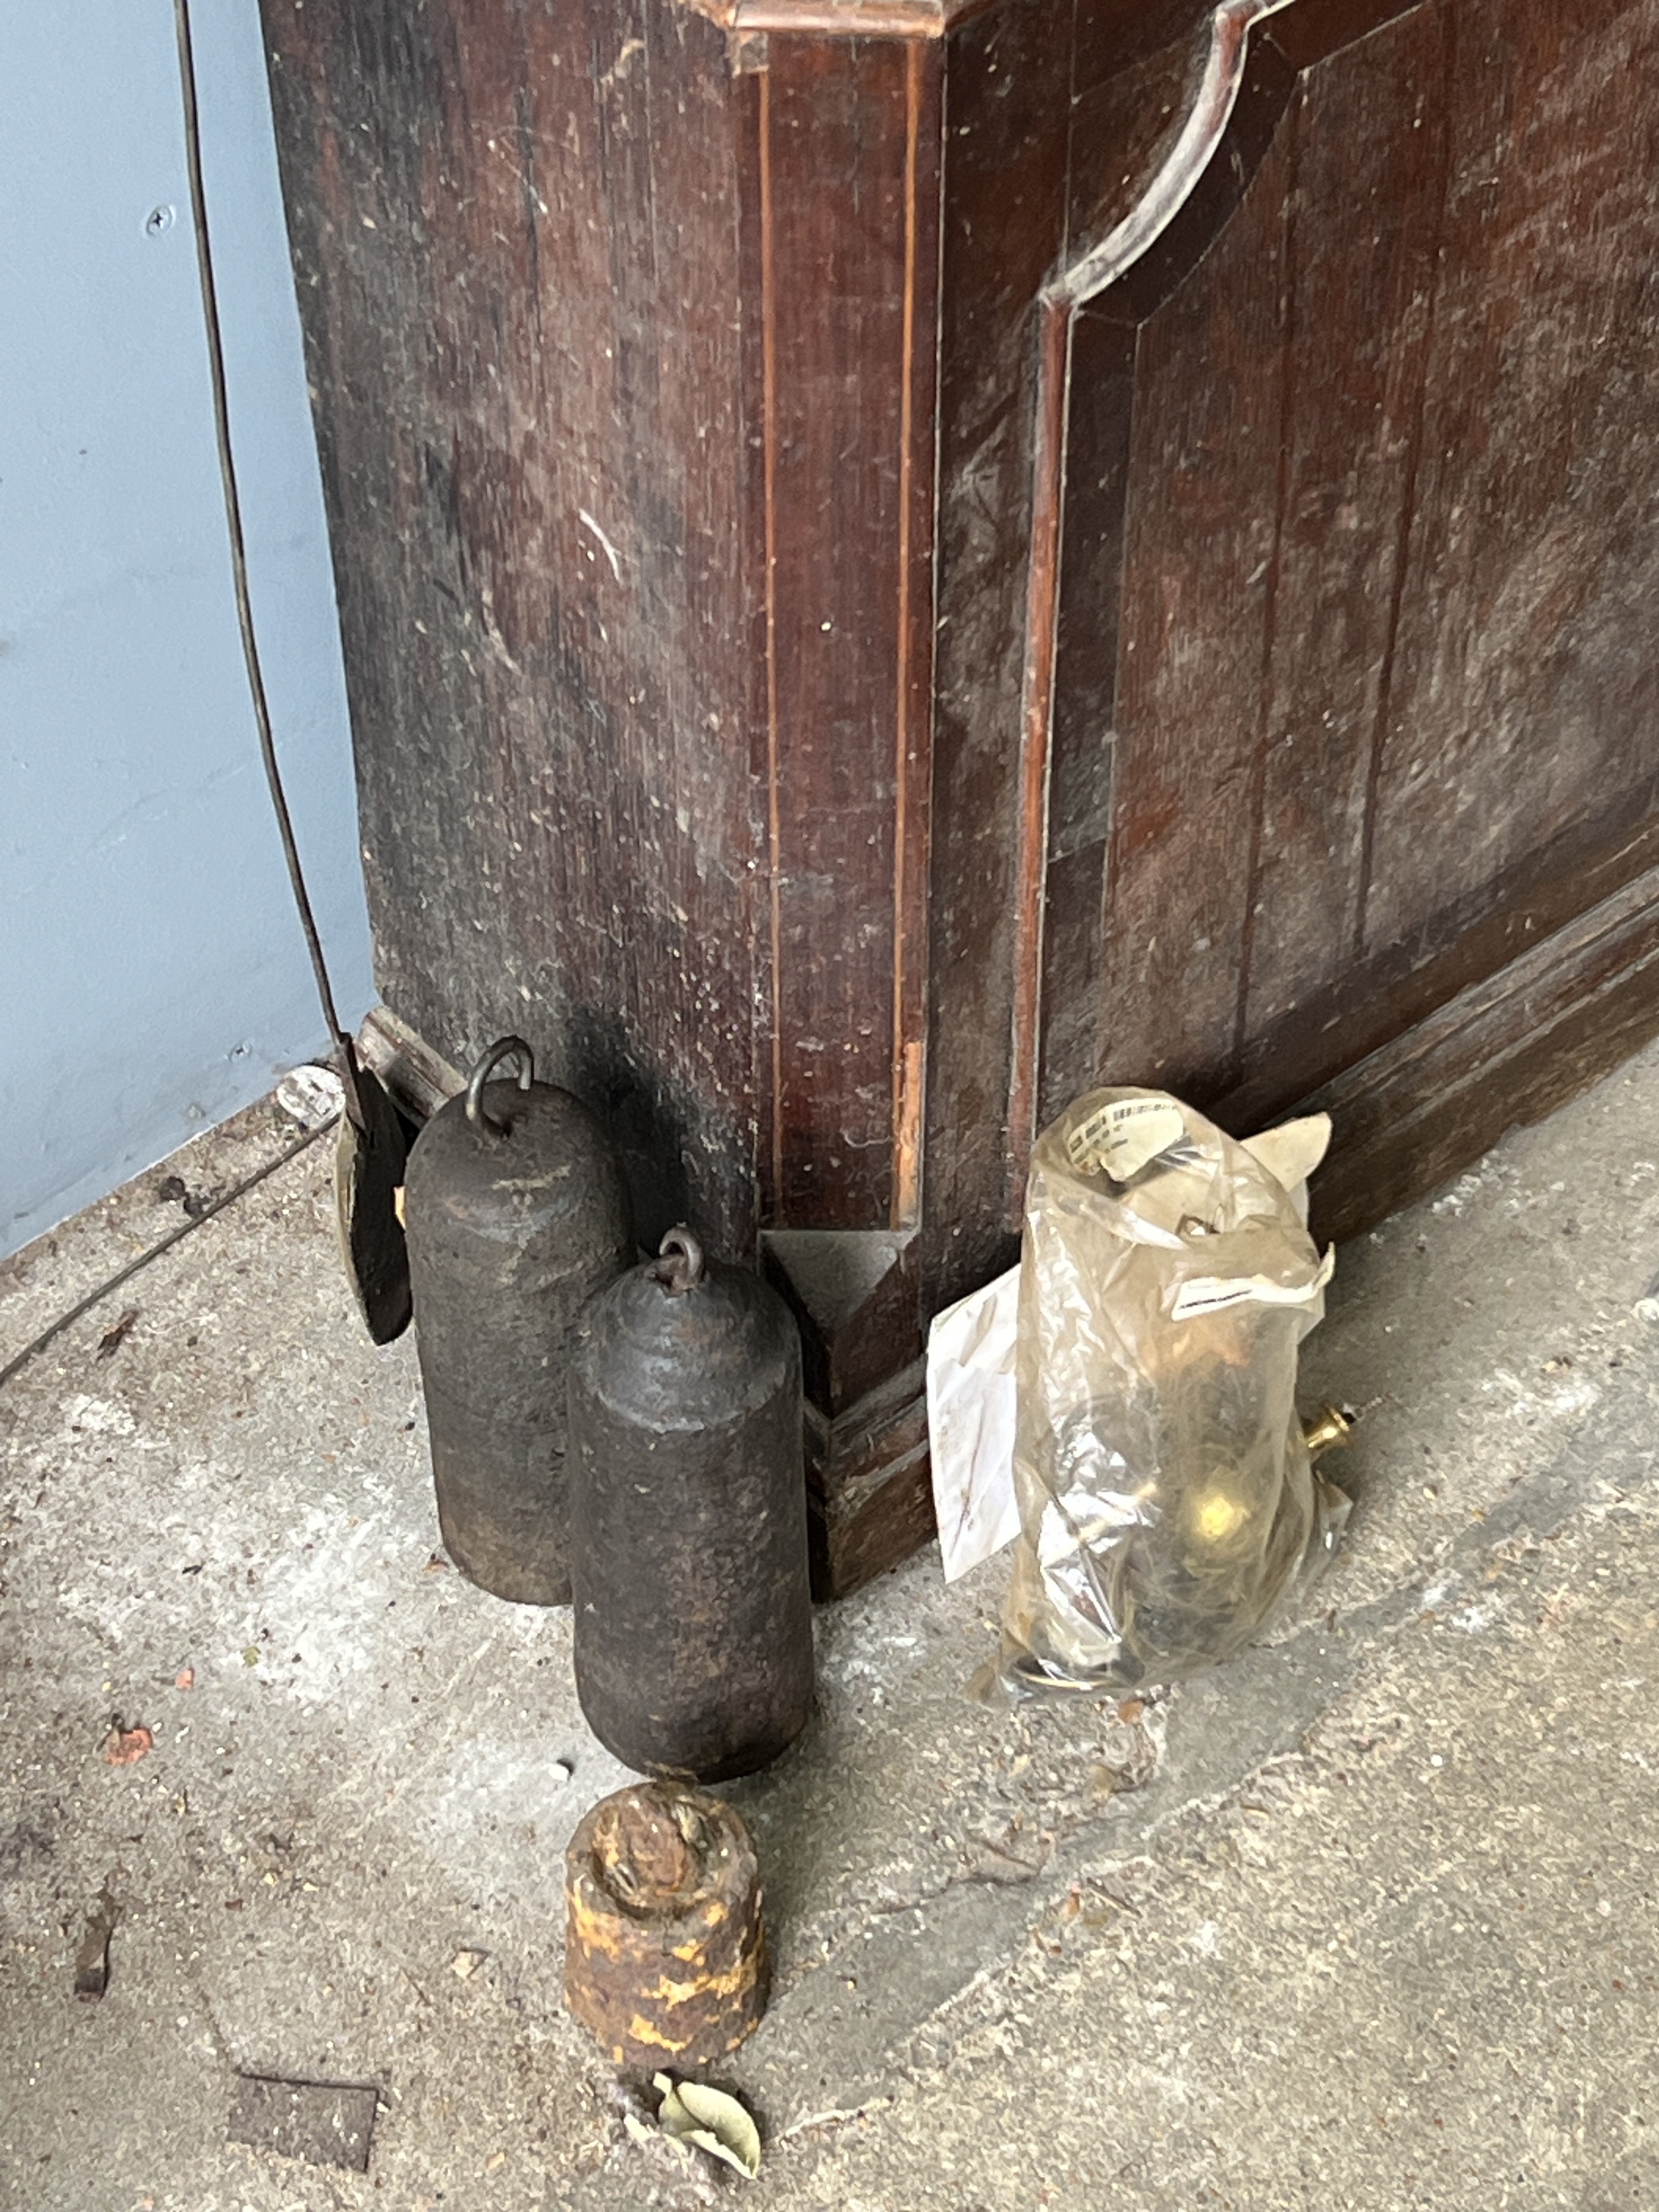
<point x="503" y="1048"/>
<point x="679" y="1262"/>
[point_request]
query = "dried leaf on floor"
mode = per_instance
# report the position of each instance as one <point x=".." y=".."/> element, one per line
<point x="126" y="1746"/>
<point x="692" y="2113"/>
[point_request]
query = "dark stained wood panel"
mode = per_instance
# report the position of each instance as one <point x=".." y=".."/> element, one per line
<point x="1200" y="606"/>
<point x="644" y="319"/>
<point x="1519" y="708"/>
<point x="1363" y="228"/>
<point x="1289" y="880"/>
<point x="849" y="165"/>
<point x="1003" y="218"/>
<point x="537" y="487"/>
<point x="1126" y="114"/>
<point x="916" y="614"/>
<point x="1083" y="738"/>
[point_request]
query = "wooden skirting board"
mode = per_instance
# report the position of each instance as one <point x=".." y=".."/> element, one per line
<point x="1502" y="1053"/>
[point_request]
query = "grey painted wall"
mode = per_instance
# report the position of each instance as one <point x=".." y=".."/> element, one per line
<point x="152" y="975"/>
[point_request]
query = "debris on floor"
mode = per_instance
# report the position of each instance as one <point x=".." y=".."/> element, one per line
<point x="92" y="1960"/>
<point x="312" y="1096"/>
<point x="1394" y="1831"/>
<point x="693" y="2112"/>
<point x="324" y="2122"/>
<point x="115" y="1334"/>
<point x="126" y="1746"/>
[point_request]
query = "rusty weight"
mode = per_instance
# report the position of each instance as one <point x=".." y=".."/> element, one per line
<point x="665" y="1957"/>
<point x="516" y="1213"/>
<point x="693" y="1637"/>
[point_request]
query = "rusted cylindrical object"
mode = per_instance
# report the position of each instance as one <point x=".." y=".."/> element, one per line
<point x="688" y="1519"/>
<point x="664" y="1958"/>
<point x="516" y="1213"/>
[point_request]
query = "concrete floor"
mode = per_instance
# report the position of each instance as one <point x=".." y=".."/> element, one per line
<point x="1367" y="1919"/>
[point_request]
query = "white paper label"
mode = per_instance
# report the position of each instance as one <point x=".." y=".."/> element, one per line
<point x="971" y="1405"/>
<point x="1122" y="1136"/>
<point x="1214" y="1293"/>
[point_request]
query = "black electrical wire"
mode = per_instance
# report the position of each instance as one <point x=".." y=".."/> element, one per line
<point x="345" y="1050"/>
<point x="125" y="1274"/>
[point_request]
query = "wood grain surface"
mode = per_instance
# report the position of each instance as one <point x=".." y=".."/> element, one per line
<point x="1354" y="708"/>
<point x="537" y="483"/>
<point x="899" y="560"/>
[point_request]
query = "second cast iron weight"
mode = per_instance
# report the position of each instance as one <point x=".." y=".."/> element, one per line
<point x="693" y="1625"/>
<point x="516" y="1213"/>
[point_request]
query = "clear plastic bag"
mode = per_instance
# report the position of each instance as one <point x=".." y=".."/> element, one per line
<point x="1166" y="1498"/>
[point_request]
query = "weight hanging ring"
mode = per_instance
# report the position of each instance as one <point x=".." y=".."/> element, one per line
<point x="679" y="1263"/>
<point x="476" y="1112"/>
